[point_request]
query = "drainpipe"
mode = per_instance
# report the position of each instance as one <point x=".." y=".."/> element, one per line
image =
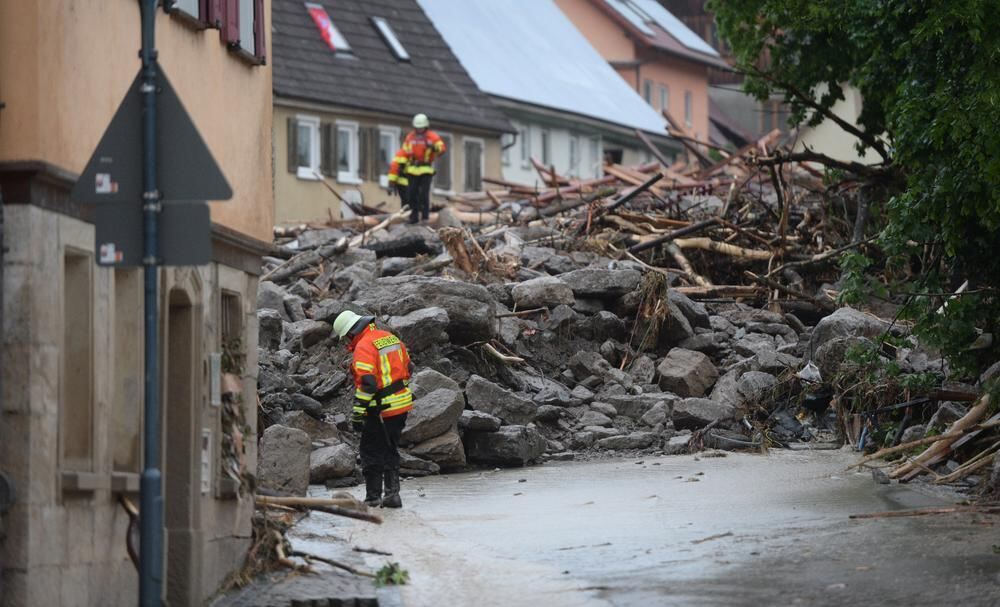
<point x="6" y="488"/>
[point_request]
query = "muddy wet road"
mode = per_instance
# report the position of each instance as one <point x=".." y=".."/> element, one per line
<point x="682" y="530"/>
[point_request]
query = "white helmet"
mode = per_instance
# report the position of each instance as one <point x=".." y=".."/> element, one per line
<point x="347" y="320"/>
<point x="420" y="121"/>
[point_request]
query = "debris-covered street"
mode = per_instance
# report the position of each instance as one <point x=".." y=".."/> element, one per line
<point x="676" y="530"/>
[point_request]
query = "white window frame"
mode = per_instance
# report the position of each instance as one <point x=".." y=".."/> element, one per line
<point x="507" y="142"/>
<point x="664" y="97"/>
<point x="594" y="145"/>
<point x="546" y="144"/>
<point x="247" y="38"/>
<point x="184" y="7"/>
<point x="524" y="132"/>
<point x="465" y="163"/>
<point x="395" y="132"/>
<point x="448" y="157"/>
<point x="390" y="38"/>
<point x="312" y="122"/>
<point x="350" y="176"/>
<point x="647" y="91"/>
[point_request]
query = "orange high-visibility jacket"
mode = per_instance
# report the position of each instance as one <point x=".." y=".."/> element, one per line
<point x="396" y="167"/>
<point x="421" y="150"/>
<point x="380" y="361"/>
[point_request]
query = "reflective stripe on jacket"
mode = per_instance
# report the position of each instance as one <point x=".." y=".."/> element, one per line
<point x="396" y="167"/>
<point x="421" y="150"/>
<point x="380" y="355"/>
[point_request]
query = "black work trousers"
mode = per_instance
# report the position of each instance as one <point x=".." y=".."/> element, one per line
<point x="419" y="196"/>
<point x="378" y="454"/>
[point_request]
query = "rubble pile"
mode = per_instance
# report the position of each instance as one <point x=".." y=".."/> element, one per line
<point x="659" y="308"/>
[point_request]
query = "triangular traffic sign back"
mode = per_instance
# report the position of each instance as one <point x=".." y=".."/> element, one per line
<point x="186" y="169"/>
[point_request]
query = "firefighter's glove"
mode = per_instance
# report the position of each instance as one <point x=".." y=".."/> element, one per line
<point x="357" y="421"/>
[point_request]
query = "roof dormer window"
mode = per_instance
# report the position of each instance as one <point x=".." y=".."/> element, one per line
<point x="331" y="35"/>
<point x="390" y="38"/>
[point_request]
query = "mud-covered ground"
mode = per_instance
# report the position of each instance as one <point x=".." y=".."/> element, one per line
<point x="681" y="530"/>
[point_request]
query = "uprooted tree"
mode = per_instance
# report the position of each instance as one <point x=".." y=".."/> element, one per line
<point x="926" y="71"/>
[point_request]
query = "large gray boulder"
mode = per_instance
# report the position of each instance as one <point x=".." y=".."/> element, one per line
<point x="755" y="386"/>
<point x="659" y="414"/>
<point x="428" y="380"/>
<point x="421" y="329"/>
<point x="845" y="322"/>
<point x="598" y="283"/>
<point x="269" y="329"/>
<point x="687" y="373"/>
<point x="283" y="460"/>
<point x="676" y="327"/>
<point x="643" y="370"/>
<point x="636" y="406"/>
<point x="693" y="413"/>
<point x="445" y="450"/>
<point x="471" y="309"/>
<point x="635" y="440"/>
<point x="326" y="463"/>
<point x="272" y="297"/>
<point x="304" y="334"/>
<point x="411" y="465"/>
<point x="478" y="421"/>
<point x="484" y="395"/>
<point x="316" y="429"/>
<point x="726" y="390"/>
<point x="508" y="446"/>
<point x="542" y="291"/>
<point x="432" y="415"/>
<point x="309" y="406"/>
<point x="594" y="418"/>
<point x="695" y="312"/>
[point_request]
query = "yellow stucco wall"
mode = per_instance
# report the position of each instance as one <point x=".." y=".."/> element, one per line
<point x="298" y="200"/>
<point x="65" y="65"/>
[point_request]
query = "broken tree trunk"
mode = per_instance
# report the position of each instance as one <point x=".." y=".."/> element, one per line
<point x="938" y="451"/>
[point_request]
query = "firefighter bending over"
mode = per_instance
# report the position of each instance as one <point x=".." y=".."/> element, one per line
<point x="381" y="368"/>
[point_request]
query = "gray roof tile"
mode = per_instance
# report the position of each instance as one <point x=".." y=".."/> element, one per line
<point x="432" y="82"/>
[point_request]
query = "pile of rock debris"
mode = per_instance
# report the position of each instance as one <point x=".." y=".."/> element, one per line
<point x="570" y="354"/>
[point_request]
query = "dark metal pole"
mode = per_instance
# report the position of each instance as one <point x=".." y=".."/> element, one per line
<point x="151" y="512"/>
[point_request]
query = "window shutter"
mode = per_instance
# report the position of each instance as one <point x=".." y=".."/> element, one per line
<point x="259" y="46"/>
<point x="293" y="145"/>
<point x="327" y="149"/>
<point x="374" y="163"/>
<point x="214" y="13"/>
<point x="231" y="22"/>
<point x="364" y="145"/>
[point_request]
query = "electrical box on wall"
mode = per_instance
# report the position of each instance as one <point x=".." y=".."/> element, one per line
<point x="206" y="461"/>
<point x="215" y="378"/>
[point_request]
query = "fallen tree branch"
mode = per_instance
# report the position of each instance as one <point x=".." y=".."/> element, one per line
<point x="936" y="452"/>
<point x="685" y="265"/>
<point x="331" y="562"/>
<point x="724" y="248"/>
<point x="339" y="507"/>
<point x="928" y="511"/>
<point x="507" y="360"/>
<point x="820" y="303"/>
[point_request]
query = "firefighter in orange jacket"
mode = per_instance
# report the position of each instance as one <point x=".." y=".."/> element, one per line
<point x="422" y="147"/>
<point x="381" y="368"/>
<point x="398" y="182"/>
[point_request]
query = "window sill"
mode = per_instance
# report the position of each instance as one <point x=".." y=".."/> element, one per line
<point x="443" y="192"/>
<point x="307" y="174"/>
<point x="246" y="56"/>
<point x="349" y="180"/>
<point x="84" y="482"/>
<point x="125" y="482"/>
<point x="187" y="19"/>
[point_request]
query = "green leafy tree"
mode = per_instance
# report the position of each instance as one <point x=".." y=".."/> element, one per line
<point x="930" y="128"/>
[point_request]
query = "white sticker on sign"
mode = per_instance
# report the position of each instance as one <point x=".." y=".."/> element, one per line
<point x="104" y="185"/>
<point x="110" y="254"/>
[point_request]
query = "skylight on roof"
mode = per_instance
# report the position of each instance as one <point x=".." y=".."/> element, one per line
<point x="390" y="38"/>
<point x="331" y="35"/>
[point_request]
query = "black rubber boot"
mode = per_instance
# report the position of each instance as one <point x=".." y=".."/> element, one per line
<point x="373" y="488"/>
<point x="392" y="499"/>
